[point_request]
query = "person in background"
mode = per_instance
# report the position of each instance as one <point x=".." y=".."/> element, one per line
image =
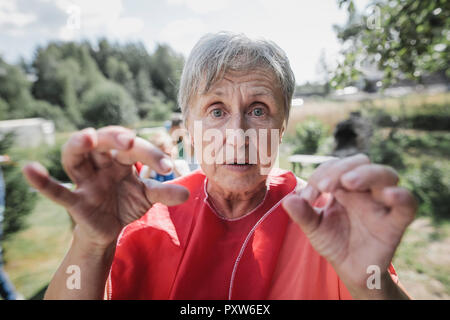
<point x="164" y="142"/>
<point x="7" y="290"/>
<point x="185" y="147"/>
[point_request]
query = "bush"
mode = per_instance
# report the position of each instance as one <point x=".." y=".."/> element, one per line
<point x="54" y="165"/>
<point x="308" y="136"/>
<point x="428" y="185"/>
<point x="156" y="109"/>
<point x="45" y="110"/>
<point x="428" y="117"/>
<point x="108" y="104"/>
<point x="387" y="150"/>
<point x="20" y="200"/>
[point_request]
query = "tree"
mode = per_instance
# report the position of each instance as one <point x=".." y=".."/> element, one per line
<point x="64" y="72"/>
<point x="108" y="104"/>
<point x="403" y="38"/>
<point x="15" y="93"/>
<point x="166" y="70"/>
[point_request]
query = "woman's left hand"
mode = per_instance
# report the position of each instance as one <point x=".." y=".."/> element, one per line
<point x="361" y="224"/>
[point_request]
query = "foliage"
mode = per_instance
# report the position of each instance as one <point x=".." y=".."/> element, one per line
<point x="108" y="104"/>
<point x="402" y="38"/>
<point x="308" y="136"/>
<point x="428" y="186"/>
<point x="65" y="78"/>
<point x="53" y="163"/>
<point x="20" y="200"/>
<point x="386" y="150"/>
<point x="15" y="96"/>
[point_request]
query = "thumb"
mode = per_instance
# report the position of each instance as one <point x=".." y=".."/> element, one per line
<point x="165" y="193"/>
<point x="302" y="213"/>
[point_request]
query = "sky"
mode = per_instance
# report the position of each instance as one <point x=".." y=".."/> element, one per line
<point x="303" y="28"/>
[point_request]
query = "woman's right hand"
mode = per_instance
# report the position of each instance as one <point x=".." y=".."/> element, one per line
<point x="109" y="194"/>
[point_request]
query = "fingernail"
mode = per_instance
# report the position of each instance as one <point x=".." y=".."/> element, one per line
<point x="324" y="184"/>
<point x="166" y="164"/>
<point x="125" y="139"/>
<point x="350" y="178"/>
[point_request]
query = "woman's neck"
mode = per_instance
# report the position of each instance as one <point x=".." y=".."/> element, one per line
<point x="233" y="205"/>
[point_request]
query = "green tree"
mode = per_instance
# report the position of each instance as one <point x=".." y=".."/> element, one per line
<point x="108" y="104"/>
<point x="64" y="72"/>
<point x="166" y="70"/>
<point x="15" y="93"/>
<point x="403" y="38"/>
<point x="308" y="136"/>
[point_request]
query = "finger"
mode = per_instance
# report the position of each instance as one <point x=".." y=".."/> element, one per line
<point x="369" y="177"/>
<point x="147" y="153"/>
<point x="114" y="137"/>
<point x="329" y="179"/>
<point x="402" y="203"/>
<point x="361" y="203"/>
<point x="102" y="160"/>
<point x="326" y="177"/>
<point x="39" y="178"/>
<point x="302" y="213"/>
<point x="73" y="155"/>
<point x="165" y="193"/>
<point x="311" y="193"/>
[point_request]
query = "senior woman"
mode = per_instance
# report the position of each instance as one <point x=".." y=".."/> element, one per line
<point x="230" y="230"/>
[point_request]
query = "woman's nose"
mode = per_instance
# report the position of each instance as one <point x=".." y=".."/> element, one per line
<point x="236" y="130"/>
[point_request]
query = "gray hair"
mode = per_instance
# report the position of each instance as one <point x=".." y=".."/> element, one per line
<point x="215" y="54"/>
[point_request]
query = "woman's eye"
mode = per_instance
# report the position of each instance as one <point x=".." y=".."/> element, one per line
<point x="217" y="113"/>
<point x="257" y="112"/>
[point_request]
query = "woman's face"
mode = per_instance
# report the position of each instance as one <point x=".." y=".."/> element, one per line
<point x="236" y="127"/>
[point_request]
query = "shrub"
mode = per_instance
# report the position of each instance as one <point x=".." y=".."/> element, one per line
<point x="20" y="200"/>
<point x="54" y="165"/>
<point x="427" y="184"/>
<point x="387" y="150"/>
<point x="45" y="110"/>
<point x="155" y="109"/>
<point x="108" y="104"/>
<point x="308" y="136"/>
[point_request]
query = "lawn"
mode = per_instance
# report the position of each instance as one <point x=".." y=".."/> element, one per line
<point x="33" y="254"/>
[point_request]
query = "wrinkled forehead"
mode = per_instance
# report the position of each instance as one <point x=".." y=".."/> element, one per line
<point x="257" y="80"/>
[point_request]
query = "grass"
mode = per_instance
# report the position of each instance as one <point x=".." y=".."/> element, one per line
<point x="331" y="112"/>
<point x="422" y="260"/>
<point x="33" y="254"/>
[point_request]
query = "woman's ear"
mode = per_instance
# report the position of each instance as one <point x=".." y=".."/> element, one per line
<point x="282" y="130"/>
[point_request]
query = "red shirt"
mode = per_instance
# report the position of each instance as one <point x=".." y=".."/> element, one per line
<point x="190" y="252"/>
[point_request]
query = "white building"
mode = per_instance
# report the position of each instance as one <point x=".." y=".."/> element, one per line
<point x="30" y="132"/>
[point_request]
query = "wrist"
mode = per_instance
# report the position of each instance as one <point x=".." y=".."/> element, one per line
<point x="384" y="289"/>
<point x="92" y="249"/>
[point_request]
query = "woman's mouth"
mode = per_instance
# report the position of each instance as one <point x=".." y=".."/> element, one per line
<point x="239" y="167"/>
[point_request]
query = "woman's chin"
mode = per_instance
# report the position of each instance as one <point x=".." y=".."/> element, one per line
<point x="239" y="178"/>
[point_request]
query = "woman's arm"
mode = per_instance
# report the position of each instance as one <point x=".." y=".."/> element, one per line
<point x="83" y="272"/>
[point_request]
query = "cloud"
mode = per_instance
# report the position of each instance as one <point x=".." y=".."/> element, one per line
<point x="201" y="6"/>
<point x="96" y="18"/>
<point x="11" y="19"/>
<point x="67" y="19"/>
<point x="183" y="34"/>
